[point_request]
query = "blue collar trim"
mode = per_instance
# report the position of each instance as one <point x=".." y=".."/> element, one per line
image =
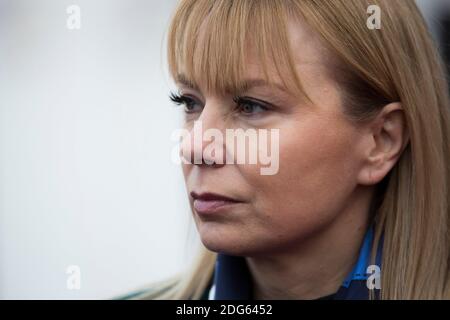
<point x="359" y="271"/>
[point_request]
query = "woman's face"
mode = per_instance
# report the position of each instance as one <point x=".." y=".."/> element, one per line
<point x="319" y="159"/>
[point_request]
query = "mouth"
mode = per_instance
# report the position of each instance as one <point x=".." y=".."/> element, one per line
<point x="210" y="203"/>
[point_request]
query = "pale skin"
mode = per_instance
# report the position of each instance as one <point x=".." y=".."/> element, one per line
<point x="301" y="229"/>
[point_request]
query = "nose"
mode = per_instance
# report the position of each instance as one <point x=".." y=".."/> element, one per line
<point x="204" y="146"/>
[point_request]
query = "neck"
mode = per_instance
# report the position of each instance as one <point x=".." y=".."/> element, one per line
<point x="318" y="265"/>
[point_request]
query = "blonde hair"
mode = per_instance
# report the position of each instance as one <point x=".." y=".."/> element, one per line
<point x="398" y="62"/>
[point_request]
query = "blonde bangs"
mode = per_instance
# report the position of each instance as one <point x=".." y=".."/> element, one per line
<point x="209" y="42"/>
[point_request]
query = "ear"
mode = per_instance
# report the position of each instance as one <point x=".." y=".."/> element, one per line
<point x="387" y="137"/>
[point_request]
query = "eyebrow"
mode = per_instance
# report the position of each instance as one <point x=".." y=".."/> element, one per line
<point x="243" y="86"/>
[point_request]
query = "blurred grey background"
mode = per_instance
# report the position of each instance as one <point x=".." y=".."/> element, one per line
<point x="86" y="177"/>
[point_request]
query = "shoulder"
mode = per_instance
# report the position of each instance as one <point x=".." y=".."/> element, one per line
<point x="208" y="293"/>
<point x="157" y="290"/>
<point x="132" y="294"/>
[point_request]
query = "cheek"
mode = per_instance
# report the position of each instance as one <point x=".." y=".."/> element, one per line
<point x="318" y="159"/>
<point x="316" y="176"/>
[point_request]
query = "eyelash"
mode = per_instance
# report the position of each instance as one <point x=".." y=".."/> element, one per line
<point x="240" y="101"/>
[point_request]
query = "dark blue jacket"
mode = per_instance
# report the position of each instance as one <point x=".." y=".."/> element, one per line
<point x="232" y="281"/>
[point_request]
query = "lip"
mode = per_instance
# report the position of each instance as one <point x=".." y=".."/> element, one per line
<point x="210" y="203"/>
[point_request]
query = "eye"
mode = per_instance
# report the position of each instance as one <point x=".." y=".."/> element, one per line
<point x="250" y="106"/>
<point x="190" y="105"/>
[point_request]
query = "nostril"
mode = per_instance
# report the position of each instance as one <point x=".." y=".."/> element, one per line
<point x="212" y="159"/>
<point x="210" y="163"/>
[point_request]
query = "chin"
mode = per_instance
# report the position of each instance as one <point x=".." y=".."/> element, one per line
<point x="231" y="243"/>
<point x="218" y="239"/>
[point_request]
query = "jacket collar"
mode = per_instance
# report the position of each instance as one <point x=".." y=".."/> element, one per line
<point x="232" y="279"/>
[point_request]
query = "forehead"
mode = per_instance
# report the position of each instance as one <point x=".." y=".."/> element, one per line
<point x="305" y="43"/>
<point x="226" y="55"/>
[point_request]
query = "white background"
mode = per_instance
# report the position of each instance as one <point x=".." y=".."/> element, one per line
<point x="86" y="176"/>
